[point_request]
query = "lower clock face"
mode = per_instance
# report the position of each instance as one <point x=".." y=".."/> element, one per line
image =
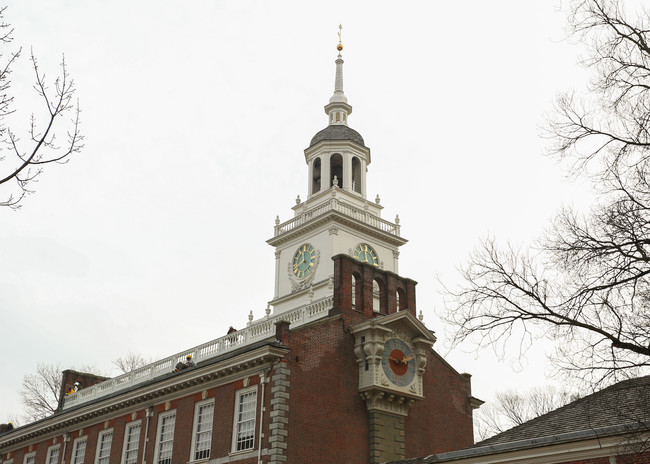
<point x="398" y="361"/>
<point x="366" y="254"/>
<point x="303" y="261"/>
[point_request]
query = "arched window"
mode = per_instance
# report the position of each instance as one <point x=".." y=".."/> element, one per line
<point x="356" y="174"/>
<point x="315" y="186"/>
<point x="336" y="169"/>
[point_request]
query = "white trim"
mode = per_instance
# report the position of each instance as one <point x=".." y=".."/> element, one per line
<point x="195" y="431"/>
<point x="98" y="447"/>
<point x="30" y="455"/>
<point x="51" y="451"/>
<point x="235" y="422"/>
<point x="158" y="440"/>
<point x="127" y="428"/>
<point x="75" y="445"/>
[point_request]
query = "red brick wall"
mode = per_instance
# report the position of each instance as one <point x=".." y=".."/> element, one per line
<point x="328" y="420"/>
<point x="327" y="412"/>
<point x="443" y="420"/>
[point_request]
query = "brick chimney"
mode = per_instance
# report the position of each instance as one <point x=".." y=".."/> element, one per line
<point x="71" y="376"/>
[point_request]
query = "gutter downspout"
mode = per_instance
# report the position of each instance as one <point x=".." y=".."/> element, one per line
<point x="149" y="414"/>
<point x="66" y="439"/>
<point x="263" y="381"/>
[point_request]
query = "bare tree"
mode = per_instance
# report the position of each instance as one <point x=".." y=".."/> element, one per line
<point x="586" y="284"/>
<point x="130" y="362"/>
<point x="511" y="408"/>
<point x="40" y="391"/>
<point x="26" y="160"/>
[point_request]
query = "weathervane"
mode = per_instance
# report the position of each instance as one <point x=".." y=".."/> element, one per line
<point x="339" y="47"/>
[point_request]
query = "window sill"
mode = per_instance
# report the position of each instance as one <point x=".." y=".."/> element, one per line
<point x="199" y="461"/>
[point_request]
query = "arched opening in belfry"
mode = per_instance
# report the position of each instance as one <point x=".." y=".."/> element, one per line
<point x="356" y="175"/>
<point x="356" y="288"/>
<point x="315" y="186"/>
<point x="336" y="169"/>
<point x="377" y="300"/>
<point x="400" y="298"/>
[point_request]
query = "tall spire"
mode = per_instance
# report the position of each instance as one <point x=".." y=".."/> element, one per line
<point x="338" y="108"/>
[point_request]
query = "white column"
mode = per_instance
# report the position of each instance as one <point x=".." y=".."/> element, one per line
<point x="347" y="170"/>
<point x="325" y="174"/>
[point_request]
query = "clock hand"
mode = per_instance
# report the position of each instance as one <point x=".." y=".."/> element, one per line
<point x="406" y="360"/>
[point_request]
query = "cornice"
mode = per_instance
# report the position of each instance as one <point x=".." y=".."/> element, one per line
<point x="209" y="375"/>
<point x="335" y="217"/>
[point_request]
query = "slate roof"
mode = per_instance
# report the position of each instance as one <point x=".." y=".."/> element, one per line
<point x="337" y="132"/>
<point x="621" y="408"/>
<point x="622" y="403"/>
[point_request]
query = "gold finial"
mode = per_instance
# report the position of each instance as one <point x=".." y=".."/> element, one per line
<point x="339" y="47"/>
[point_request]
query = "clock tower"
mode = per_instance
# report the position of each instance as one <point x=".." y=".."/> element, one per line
<point x="336" y="218"/>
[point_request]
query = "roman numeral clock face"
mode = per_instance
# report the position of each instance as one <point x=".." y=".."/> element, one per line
<point x="304" y="261"/>
<point x="366" y="254"/>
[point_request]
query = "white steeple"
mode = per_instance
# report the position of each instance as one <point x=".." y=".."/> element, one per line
<point x="338" y="109"/>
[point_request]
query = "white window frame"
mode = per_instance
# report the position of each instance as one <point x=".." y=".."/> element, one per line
<point x="28" y="456"/>
<point x="195" y="430"/>
<point x="125" y="448"/>
<point x="99" y="445"/>
<point x="75" y="448"/>
<point x="161" y="417"/>
<point x="236" y="423"/>
<point x="50" y="452"/>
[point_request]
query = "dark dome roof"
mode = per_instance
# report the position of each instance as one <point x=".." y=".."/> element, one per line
<point x="337" y="132"/>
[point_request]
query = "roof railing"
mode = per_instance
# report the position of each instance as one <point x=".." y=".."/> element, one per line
<point x="256" y="331"/>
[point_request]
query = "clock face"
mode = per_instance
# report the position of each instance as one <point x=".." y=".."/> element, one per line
<point x="398" y="361"/>
<point x="366" y="254"/>
<point x="303" y="261"/>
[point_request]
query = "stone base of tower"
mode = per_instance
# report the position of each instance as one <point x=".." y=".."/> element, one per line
<point x="387" y="437"/>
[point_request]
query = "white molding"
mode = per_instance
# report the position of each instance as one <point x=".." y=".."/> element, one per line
<point x="195" y="425"/>
<point x="51" y="449"/>
<point x="238" y="394"/>
<point x="125" y="438"/>
<point x="156" y="453"/>
<point x="99" y="441"/>
<point x="75" y="444"/>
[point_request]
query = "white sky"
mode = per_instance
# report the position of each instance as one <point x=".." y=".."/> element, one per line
<point x="196" y="115"/>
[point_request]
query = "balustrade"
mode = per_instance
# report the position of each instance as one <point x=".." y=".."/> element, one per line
<point x="257" y="331"/>
<point x="335" y="205"/>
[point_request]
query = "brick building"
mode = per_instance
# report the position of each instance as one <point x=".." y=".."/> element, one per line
<point x="340" y="370"/>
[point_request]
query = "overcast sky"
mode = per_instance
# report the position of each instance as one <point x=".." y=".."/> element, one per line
<point x="195" y="117"/>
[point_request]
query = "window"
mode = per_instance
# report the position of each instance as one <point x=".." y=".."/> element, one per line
<point x="30" y="458"/>
<point x="131" y="441"/>
<point x="165" y="440"/>
<point x="104" y="446"/>
<point x="202" y="434"/>
<point x="79" y="451"/>
<point x="244" y="423"/>
<point x="53" y="454"/>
